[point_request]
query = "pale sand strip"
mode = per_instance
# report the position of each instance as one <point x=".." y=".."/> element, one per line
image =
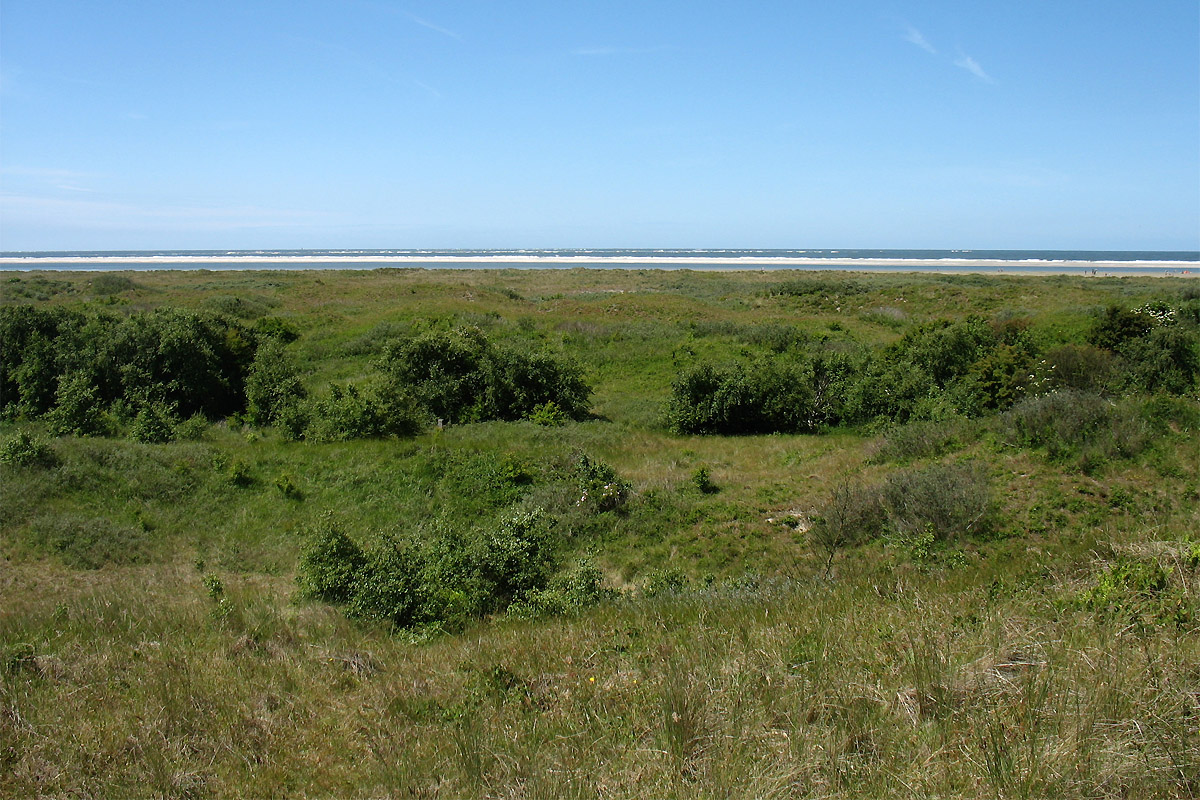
<point x="667" y="262"/>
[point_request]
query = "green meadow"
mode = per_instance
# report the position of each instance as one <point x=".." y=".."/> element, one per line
<point x="599" y="533"/>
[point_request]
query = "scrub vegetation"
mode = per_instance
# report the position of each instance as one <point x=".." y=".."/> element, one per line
<point x="592" y="533"/>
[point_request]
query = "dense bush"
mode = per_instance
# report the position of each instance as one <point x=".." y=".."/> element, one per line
<point x="273" y="387"/>
<point x="349" y="412"/>
<point x="1159" y="348"/>
<point x="23" y="450"/>
<point x="463" y="377"/>
<point x="940" y="502"/>
<point x="766" y="396"/>
<point x="76" y="367"/>
<point x="1078" y="426"/>
<point x="444" y="577"/>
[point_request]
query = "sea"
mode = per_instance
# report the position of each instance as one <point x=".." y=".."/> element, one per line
<point x="1082" y="262"/>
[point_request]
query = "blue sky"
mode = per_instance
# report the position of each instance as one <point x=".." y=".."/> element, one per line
<point x="370" y="123"/>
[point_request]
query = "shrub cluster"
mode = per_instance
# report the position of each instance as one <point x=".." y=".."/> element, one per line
<point x="90" y="372"/>
<point x="1084" y="427"/>
<point x="936" y="371"/>
<point x="940" y="502"/>
<point x="461" y="376"/>
<point x="444" y="578"/>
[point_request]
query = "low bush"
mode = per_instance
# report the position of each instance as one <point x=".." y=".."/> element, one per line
<point x="922" y="439"/>
<point x="572" y="591"/>
<point x="767" y="396"/>
<point x="853" y="514"/>
<point x="443" y="578"/>
<point x="1078" y="426"/>
<point x="349" y="412"/>
<point x="463" y="377"/>
<point x="273" y="386"/>
<point x="948" y="500"/>
<point x="24" y="450"/>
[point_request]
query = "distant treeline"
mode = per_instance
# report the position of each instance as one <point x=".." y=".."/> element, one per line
<point x="939" y="369"/>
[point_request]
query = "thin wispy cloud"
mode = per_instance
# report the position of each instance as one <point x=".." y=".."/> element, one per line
<point x="972" y="66"/>
<point x="431" y="26"/>
<point x="914" y="36"/>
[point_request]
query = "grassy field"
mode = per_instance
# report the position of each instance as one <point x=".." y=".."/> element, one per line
<point x="155" y="642"/>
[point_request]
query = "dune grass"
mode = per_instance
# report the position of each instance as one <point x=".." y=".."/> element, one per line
<point x="153" y="641"/>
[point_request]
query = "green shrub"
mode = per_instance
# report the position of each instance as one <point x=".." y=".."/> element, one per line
<point x="106" y="283"/>
<point x="703" y="481"/>
<point x="1080" y="426"/>
<point x="441" y="579"/>
<point x="572" y="591"/>
<point x="387" y="586"/>
<point x="548" y="414"/>
<point x="948" y="500"/>
<point x="154" y="424"/>
<point x="330" y="564"/>
<point x="23" y="450"/>
<point x="766" y="396"/>
<point x="348" y="412"/>
<point x="922" y="439"/>
<point x="665" y="581"/>
<point x="1080" y="367"/>
<point x="78" y="409"/>
<point x="192" y="429"/>
<point x="273" y="387"/>
<point x="462" y="377"/>
<point x="599" y="485"/>
<point x="1141" y="590"/>
<point x="1167" y="360"/>
<point x="805" y="287"/>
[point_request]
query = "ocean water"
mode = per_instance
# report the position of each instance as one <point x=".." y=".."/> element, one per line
<point x="1031" y="261"/>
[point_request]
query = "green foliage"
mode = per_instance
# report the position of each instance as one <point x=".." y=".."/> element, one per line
<point x="330" y="563"/>
<point x="154" y="424"/>
<point x="442" y="579"/>
<point x="349" y="412"/>
<point x="817" y="286"/>
<point x="275" y="328"/>
<point x="273" y="387"/>
<point x="463" y="377"/>
<point x="1078" y="426"/>
<point x="1165" y="361"/>
<point x="666" y="581"/>
<point x="570" y="592"/>
<point x="92" y="362"/>
<point x="703" y="481"/>
<point x="948" y="500"/>
<point x="923" y="439"/>
<point x="766" y="396"/>
<point x="548" y="415"/>
<point x="24" y="450"/>
<point x="599" y="485"/>
<point x="106" y="283"/>
<point x="1141" y="590"/>
<point x="78" y="409"/>
<point x="289" y="487"/>
<point x="1118" y="326"/>
<point x="853" y="514"/>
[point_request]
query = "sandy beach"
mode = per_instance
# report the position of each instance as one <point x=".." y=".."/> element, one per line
<point x="500" y="261"/>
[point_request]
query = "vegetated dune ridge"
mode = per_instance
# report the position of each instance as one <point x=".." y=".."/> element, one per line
<point x="969" y="568"/>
